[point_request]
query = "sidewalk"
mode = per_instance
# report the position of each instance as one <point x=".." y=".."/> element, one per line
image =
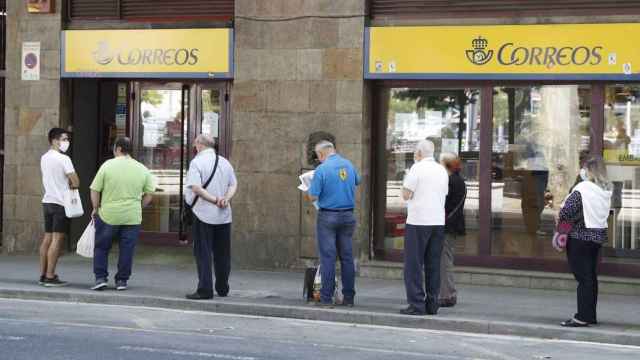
<point x="489" y="310"/>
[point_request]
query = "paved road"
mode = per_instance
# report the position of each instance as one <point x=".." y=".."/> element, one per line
<point x="48" y="330"/>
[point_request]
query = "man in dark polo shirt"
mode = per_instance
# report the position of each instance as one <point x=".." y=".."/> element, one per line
<point x="334" y="186"/>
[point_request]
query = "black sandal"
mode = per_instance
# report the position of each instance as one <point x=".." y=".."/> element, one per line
<point x="573" y="323"/>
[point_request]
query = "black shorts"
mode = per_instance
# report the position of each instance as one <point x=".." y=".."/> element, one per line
<point x="55" y="219"/>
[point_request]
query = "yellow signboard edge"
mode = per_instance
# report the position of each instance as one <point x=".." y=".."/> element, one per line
<point x="147" y="75"/>
<point x="368" y="75"/>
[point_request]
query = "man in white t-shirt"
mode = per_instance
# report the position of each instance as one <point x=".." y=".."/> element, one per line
<point x="58" y="178"/>
<point x="425" y="189"/>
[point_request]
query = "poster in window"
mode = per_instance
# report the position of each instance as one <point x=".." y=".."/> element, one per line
<point x="40" y="6"/>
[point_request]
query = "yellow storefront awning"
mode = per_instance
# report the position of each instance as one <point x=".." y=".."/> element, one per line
<point x="519" y="52"/>
<point x="162" y="53"/>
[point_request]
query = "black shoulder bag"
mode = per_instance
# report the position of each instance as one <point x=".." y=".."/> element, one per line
<point x="187" y="213"/>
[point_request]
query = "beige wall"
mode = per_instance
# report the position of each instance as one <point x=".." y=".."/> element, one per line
<point x="293" y="77"/>
<point x="32" y="107"/>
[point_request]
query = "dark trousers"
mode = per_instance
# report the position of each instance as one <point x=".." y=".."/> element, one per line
<point x="105" y="233"/>
<point x="211" y="240"/>
<point x="583" y="261"/>
<point x="422" y="252"/>
<point x="335" y="236"/>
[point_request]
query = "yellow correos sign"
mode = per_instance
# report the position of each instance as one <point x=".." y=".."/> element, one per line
<point x="576" y="51"/>
<point x="182" y="53"/>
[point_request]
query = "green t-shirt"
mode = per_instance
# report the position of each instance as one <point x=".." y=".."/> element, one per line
<point x="122" y="182"/>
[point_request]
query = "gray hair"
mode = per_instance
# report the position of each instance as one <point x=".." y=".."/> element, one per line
<point x="425" y="148"/>
<point x="447" y="157"/>
<point x="324" y="145"/>
<point x="206" y="141"/>
<point x="597" y="172"/>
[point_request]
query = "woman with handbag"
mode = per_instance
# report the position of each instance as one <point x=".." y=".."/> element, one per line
<point x="582" y="229"/>
<point x="454" y="227"/>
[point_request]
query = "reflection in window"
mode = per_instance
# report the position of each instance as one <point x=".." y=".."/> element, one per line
<point x="210" y="112"/>
<point x="451" y="119"/>
<point x="539" y="135"/>
<point x="622" y="157"/>
<point x="161" y="138"/>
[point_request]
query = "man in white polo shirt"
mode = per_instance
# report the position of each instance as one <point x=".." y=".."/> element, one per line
<point x="425" y="189"/>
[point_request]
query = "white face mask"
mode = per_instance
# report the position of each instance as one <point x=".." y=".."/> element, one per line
<point x="64" y="146"/>
<point x="583" y="174"/>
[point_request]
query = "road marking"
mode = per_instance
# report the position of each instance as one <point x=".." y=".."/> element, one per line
<point x="11" y="338"/>
<point x="123" y="328"/>
<point x="381" y="351"/>
<point x="314" y="323"/>
<point x="185" y="353"/>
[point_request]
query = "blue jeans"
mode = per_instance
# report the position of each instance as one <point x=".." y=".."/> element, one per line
<point x="105" y="233"/>
<point x="334" y="236"/>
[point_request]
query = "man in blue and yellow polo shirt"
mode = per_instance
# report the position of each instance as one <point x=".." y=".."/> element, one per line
<point x="334" y="186"/>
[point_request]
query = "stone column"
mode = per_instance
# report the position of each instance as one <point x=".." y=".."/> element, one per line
<point x="32" y="107"/>
<point x="298" y="70"/>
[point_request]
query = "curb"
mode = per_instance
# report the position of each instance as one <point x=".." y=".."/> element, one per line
<point x="592" y="334"/>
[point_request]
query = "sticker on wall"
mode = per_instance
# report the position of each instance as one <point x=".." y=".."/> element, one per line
<point x="626" y="68"/>
<point x="31" y="61"/>
<point x="40" y="6"/>
<point x="392" y="67"/>
<point x="379" y="66"/>
<point x="613" y="58"/>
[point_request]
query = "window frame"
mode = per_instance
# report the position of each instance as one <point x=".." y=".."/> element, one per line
<point x="483" y="257"/>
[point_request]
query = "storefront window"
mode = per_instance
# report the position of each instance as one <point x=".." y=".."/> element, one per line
<point x="622" y="156"/>
<point x="539" y="135"/>
<point x="451" y="119"/>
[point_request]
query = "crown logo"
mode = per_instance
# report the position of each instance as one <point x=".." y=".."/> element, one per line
<point x="479" y="55"/>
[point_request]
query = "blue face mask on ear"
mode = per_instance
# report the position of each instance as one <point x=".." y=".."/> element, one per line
<point x="583" y="174"/>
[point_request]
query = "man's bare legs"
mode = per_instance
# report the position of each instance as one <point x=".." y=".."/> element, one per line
<point x="49" y="253"/>
<point x="53" y="254"/>
<point x="44" y="250"/>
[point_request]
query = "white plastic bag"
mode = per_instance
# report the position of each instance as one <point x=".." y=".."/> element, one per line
<point x="73" y="204"/>
<point x="87" y="241"/>
<point x="317" y="285"/>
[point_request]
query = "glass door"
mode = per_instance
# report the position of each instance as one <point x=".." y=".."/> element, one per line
<point x="167" y="118"/>
<point x="161" y="136"/>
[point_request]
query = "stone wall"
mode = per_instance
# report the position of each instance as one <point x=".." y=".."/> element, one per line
<point x="298" y="70"/>
<point x="32" y="107"/>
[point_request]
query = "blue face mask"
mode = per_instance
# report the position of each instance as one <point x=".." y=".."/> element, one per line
<point x="583" y="174"/>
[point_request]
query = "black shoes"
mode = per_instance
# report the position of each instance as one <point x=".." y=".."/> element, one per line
<point x="54" y="282"/>
<point x="346" y="303"/>
<point x="198" y="296"/>
<point x="451" y="302"/>
<point x="574" y="323"/>
<point x="412" y="310"/>
<point x="324" y="305"/>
